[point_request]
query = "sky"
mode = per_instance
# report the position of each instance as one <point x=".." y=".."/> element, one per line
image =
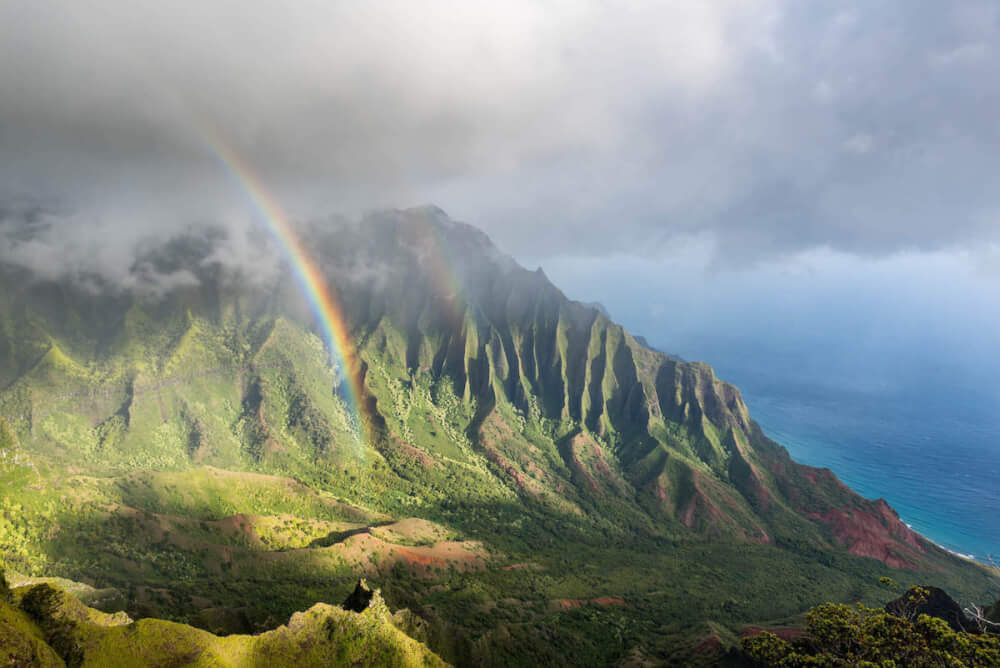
<point x="907" y="324"/>
<point x="721" y="145"/>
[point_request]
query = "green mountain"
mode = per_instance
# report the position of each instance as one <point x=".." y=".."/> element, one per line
<point x="528" y="479"/>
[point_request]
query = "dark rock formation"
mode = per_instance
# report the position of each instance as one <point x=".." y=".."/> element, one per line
<point x="933" y="602"/>
<point x="361" y="598"/>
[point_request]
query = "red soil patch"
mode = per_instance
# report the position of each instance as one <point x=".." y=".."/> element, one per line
<point x="416" y="558"/>
<point x="498" y="425"/>
<point x="569" y="603"/>
<point x="600" y="465"/>
<point x="495" y="436"/>
<point x="687" y="516"/>
<point x="701" y="505"/>
<point x="416" y="454"/>
<point x="875" y="532"/>
<point x="608" y="600"/>
<point x="493" y="432"/>
<point x="661" y="491"/>
<point x="583" y="444"/>
<point x="509" y="469"/>
<point x="709" y="645"/>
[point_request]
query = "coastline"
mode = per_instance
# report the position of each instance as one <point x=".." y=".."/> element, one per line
<point x="927" y="512"/>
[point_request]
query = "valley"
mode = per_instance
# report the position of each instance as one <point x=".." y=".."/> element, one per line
<point x="524" y="478"/>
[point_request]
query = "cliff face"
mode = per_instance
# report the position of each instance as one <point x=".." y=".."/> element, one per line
<point x="630" y="423"/>
<point x="467" y="357"/>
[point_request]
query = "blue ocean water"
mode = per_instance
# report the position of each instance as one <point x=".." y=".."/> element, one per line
<point x="929" y="445"/>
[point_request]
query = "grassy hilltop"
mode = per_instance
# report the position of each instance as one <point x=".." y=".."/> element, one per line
<point x="530" y="481"/>
<point x="42" y="625"/>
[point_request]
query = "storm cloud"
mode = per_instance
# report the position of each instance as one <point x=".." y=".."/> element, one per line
<point x="761" y="127"/>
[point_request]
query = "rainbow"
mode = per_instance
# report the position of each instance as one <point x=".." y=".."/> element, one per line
<point x="322" y="301"/>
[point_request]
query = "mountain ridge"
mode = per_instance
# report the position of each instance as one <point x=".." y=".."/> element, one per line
<point x="42" y="624"/>
<point x="490" y="400"/>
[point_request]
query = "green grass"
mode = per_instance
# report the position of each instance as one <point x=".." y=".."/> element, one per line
<point x="48" y="626"/>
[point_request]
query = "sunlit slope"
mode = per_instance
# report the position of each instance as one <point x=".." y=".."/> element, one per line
<point x="42" y="625"/>
<point x="190" y="447"/>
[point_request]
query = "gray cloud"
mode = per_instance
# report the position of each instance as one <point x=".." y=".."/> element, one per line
<point x="102" y="255"/>
<point x="764" y="126"/>
<point x="111" y="256"/>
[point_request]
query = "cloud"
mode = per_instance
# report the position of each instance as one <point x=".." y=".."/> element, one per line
<point x="585" y="127"/>
<point x="109" y="255"/>
<point x="859" y="143"/>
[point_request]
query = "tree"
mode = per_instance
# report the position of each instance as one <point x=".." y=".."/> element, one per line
<point x="986" y="618"/>
<point x="44" y="603"/>
<point x="841" y="635"/>
<point x="5" y="594"/>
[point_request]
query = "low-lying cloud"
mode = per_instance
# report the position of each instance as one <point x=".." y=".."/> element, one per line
<point x="109" y="256"/>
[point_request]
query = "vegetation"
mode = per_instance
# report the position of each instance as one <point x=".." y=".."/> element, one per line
<point x="843" y="635"/>
<point x="48" y="626"/>
<point x="524" y="477"/>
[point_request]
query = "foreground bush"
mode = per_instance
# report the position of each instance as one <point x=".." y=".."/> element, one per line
<point x="841" y="635"/>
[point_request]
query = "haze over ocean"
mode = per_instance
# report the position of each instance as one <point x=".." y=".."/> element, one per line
<point x="884" y="371"/>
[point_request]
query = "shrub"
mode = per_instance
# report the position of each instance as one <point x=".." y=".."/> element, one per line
<point x="5" y="594"/>
<point x="841" y="635"/>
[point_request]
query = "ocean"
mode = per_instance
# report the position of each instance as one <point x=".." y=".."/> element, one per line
<point x="929" y="445"/>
